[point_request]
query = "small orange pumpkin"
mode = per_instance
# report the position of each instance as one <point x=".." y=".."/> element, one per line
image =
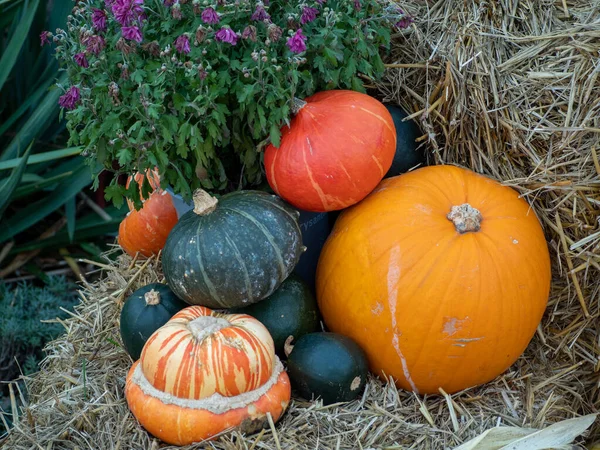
<point x="203" y="373"/>
<point x="441" y="275"/>
<point x="146" y="231"/>
<point x="336" y="150"/>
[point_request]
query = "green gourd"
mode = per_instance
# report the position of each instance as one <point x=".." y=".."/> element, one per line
<point x="288" y="313"/>
<point x="144" y="312"/>
<point x="233" y="251"/>
<point x="327" y="366"/>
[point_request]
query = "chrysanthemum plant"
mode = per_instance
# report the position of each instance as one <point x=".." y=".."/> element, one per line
<point x="197" y="88"/>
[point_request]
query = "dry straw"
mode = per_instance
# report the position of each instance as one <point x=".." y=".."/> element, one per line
<point x="508" y="88"/>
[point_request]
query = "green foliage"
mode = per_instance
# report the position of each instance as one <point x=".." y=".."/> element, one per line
<point x="39" y="179"/>
<point x="203" y="116"/>
<point x="22" y="334"/>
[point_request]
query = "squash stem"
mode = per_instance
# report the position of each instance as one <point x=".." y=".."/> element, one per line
<point x="297" y="105"/>
<point x="465" y="218"/>
<point x="152" y="298"/>
<point x="204" y="203"/>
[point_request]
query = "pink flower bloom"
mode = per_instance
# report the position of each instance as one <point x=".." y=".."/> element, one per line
<point x="99" y="19"/>
<point x="182" y="44"/>
<point x="132" y="33"/>
<point x="70" y="98"/>
<point x="81" y="60"/>
<point x="297" y="43"/>
<point x="209" y="15"/>
<point x="308" y="15"/>
<point x="260" y="14"/>
<point x="357" y="5"/>
<point x="226" y="35"/>
<point x="95" y="44"/>
<point x="44" y="38"/>
<point x="127" y="11"/>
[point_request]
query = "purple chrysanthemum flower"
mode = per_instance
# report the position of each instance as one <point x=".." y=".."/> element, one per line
<point x="308" y="15"/>
<point x="182" y="44"/>
<point x="99" y="19"/>
<point x="260" y="14"/>
<point x="70" y="98"/>
<point x="127" y="11"/>
<point x="249" y="33"/>
<point x="95" y="44"/>
<point x="405" y="22"/>
<point x="81" y="60"/>
<point x="132" y="33"/>
<point x="226" y="35"/>
<point x="297" y="43"/>
<point x="357" y="5"/>
<point x="210" y="16"/>
<point x="44" y="38"/>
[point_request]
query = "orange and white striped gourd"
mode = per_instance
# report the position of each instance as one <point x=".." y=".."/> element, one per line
<point x="204" y="372"/>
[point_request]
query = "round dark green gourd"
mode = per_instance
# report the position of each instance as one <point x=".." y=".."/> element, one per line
<point x="327" y="365"/>
<point x="232" y="252"/>
<point x="408" y="154"/>
<point x="288" y="313"/>
<point x="144" y="312"/>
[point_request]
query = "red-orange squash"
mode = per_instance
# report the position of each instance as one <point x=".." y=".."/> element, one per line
<point x="336" y="150"/>
<point x="441" y="275"/>
<point x="146" y="231"/>
<point x="203" y="373"/>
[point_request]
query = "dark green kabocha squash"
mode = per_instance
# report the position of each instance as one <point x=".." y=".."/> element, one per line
<point x="144" y="312"/>
<point x="408" y="154"/>
<point x="288" y="313"/>
<point x="327" y="366"/>
<point x="234" y="251"/>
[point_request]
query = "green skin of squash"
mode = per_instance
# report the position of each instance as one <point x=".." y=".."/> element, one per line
<point x="289" y="313"/>
<point x="327" y="365"/>
<point x="408" y="155"/>
<point x="234" y="252"/>
<point x="144" y="312"/>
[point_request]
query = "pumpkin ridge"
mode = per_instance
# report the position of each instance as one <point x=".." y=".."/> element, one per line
<point x="238" y="257"/>
<point x="435" y="321"/>
<point x="294" y="214"/>
<point x="385" y="122"/>
<point x="207" y="281"/>
<point x="264" y="230"/>
<point x="316" y="187"/>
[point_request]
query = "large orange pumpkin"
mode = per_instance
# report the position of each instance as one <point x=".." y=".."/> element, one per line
<point x="441" y="275"/>
<point x="336" y="150"/>
<point x="146" y="231"/>
<point x="203" y="373"/>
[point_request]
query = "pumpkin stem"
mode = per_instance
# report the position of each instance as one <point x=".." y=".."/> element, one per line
<point x="465" y="218"/>
<point x="297" y="105"/>
<point x="152" y="297"/>
<point x="204" y="203"/>
<point x="287" y="346"/>
<point x="204" y="326"/>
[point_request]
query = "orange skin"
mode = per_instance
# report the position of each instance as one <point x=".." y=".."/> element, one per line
<point x="182" y="426"/>
<point x="337" y="149"/>
<point x="146" y="231"/>
<point x="430" y="306"/>
<point x="193" y="361"/>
